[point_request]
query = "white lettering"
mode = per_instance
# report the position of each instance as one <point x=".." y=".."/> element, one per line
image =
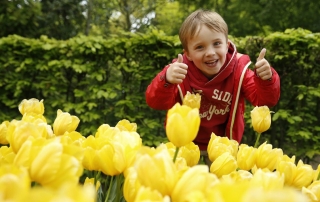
<point x="213" y="110"/>
<point x="215" y="94"/>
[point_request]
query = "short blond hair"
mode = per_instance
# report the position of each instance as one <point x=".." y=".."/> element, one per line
<point x="195" y="20"/>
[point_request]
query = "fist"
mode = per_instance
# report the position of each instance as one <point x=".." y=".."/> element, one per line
<point x="177" y="71"/>
<point x="262" y="66"/>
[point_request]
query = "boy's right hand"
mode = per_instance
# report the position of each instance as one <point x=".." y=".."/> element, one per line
<point x="177" y="71"/>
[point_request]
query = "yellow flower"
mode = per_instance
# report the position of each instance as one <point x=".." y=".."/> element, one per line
<point x="31" y="106"/>
<point x="224" y="165"/>
<point x="90" y="148"/>
<point x="261" y="119"/>
<point x="47" y="163"/>
<point x="194" y="184"/>
<point x="284" y="195"/>
<point x="90" y="181"/>
<point x="267" y="157"/>
<point x="125" y="125"/>
<point x="219" y="145"/>
<point x="157" y="171"/>
<point x="267" y="180"/>
<point x="189" y="152"/>
<point x="237" y="176"/>
<point x="64" y="122"/>
<point x="312" y="191"/>
<point x="303" y="175"/>
<point x="3" y="132"/>
<point x="131" y="184"/>
<point x="14" y="183"/>
<point x="229" y="192"/>
<point x="192" y="100"/>
<point x="118" y="153"/>
<point x="19" y="131"/>
<point x="106" y="131"/>
<point x="246" y="157"/>
<point x="146" y="194"/>
<point x="65" y="192"/>
<point x="182" y="124"/>
<point x="6" y="155"/>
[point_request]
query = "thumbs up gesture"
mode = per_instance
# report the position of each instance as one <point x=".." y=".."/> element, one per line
<point x="262" y="66"/>
<point x="177" y="71"/>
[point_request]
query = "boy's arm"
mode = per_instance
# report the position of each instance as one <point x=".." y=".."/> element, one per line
<point x="261" y="92"/>
<point x="160" y="94"/>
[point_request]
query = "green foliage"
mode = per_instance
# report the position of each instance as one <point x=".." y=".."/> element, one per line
<point x="103" y="80"/>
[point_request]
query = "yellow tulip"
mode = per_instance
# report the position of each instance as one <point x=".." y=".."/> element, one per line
<point x="106" y="131"/>
<point x="125" y="125"/>
<point x="3" y="132"/>
<point x="14" y="183"/>
<point x="146" y="194"/>
<point x="304" y="175"/>
<point x="182" y="124"/>
<point x="47" y="163"/>
<point x="284" y="195"/>
<point x="131" y="184"/>
<point x="157" y="171"/>
<point x="299" y="176"/>
<point x="261" y="119"/>
<point x="65" y="192"/>
<point x="192" y="100"/>
<point x="19" y="131"/>
<point x="65" y="122"/>
<point x="31" y="106"/>
<point x="219" y="145"/>
<point x="118" y="152"/>
<point x="91" y="181"/>
<point x="6" y="155"/>
<point x="229" y="192"/>
<point x="246" y="157"/>
<point x="90" y="149"/>
<point x="267" y="180"/>
<point x="237" y="176"/>
<point x="190" y="153"/>
<point x="267" y="157"/>
<point x="312" y="191"/>
<point x="224" y="165"/>
<point x="194" y="184"/>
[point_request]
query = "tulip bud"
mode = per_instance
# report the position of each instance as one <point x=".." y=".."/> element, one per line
<point x="246" y="157"/>
<point x="65" y="123"/>
<point x="31" y="106"/>
<point x="261" y="119"/>
<point x="182" y="124"/>
<point x="192" y="100"/>
<point x="224" y="165"/>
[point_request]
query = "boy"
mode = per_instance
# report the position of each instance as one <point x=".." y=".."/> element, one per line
<point x="211" y="66"/>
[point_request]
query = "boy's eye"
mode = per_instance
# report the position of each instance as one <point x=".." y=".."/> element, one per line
<point x="217" y="43"/>
<point x="199" y="47"/>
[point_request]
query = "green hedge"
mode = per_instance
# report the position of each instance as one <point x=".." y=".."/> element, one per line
<point x="103" y="80"/>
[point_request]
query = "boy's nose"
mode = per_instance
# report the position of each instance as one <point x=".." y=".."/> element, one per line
<point x="210" y="51"/>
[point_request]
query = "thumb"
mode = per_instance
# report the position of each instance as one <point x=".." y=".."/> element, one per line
<point x="262" y="54"/>
<point x="180" y="58"/>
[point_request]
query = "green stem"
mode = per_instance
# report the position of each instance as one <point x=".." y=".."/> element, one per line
<point x="118" y="188"/>
<point x="257" y="141"/>
<point x="176" y="154"/>
<point x="109" y="189"/>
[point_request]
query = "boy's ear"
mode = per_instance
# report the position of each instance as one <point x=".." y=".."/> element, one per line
<point x="228" y="44"/>
<point x="187" y="54"/>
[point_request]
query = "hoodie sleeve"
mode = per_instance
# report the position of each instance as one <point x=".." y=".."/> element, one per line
<point x="160" y="94"/>
<point x="261" y="92"/>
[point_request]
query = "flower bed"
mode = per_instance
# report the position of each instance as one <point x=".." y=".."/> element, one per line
<point x="47" y="163"/>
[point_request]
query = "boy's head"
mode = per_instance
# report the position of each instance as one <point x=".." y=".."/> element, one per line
<point x="192" y="24"/>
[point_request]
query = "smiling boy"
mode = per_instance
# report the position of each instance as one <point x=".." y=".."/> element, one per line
<point x="211" y="66"/>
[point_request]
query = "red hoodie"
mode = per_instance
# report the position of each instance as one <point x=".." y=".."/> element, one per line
<point x="217" y="95"/>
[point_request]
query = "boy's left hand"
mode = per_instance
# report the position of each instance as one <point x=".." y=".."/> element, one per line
<point x="262" y="66"/>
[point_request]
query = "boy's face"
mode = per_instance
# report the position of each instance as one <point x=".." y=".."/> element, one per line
<point x="208" y="51"/>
